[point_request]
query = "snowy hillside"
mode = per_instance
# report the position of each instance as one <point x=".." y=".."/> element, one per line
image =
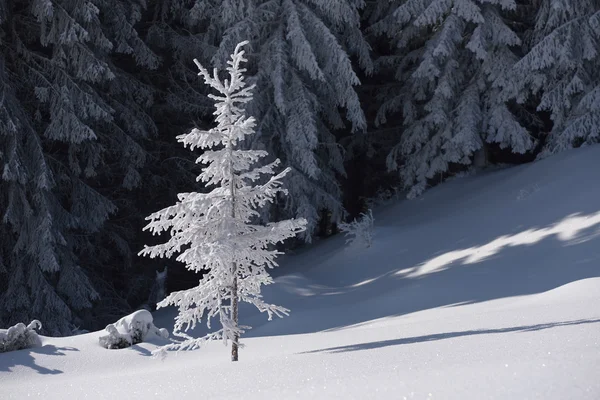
<point x="487" y="287"/>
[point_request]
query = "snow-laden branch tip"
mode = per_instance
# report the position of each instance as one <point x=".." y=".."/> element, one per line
<point x="360" y="230"/>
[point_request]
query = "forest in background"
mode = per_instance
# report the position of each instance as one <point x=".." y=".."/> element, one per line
<point x="361" y="99"/>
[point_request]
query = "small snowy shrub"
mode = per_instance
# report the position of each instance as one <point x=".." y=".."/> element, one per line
<point x="527" y="191"/>
<point x="132" y="329"/>
<point x="158" y="291"/>
<point x="385" y="196"/>
<point x="77" y="331"/>
<point x="463" y="174"/>
<point x="20" y="337"/>
<point x="359" y="231"/>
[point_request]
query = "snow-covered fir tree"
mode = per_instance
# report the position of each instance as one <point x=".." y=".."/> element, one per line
<point x="300" y="58"/>
<point x="214" y="232"/>
<point x="71" y="123"/>
<point x="450" y="55"/>
<point x="561" y="71"/>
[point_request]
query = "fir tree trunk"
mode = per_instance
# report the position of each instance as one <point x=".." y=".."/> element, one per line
<point x="234" y="286"/>
<point x="480" y="158"/>
<point x="234" y="315"/>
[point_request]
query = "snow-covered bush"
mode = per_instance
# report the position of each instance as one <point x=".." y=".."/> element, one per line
<point x="78" y="331"/>
<point x="158" y="291"/>
<point x="360" y="231"/>
<point x="385" y="196"/>
<point x="133" y="329"/>
<point x="20" y="336"/>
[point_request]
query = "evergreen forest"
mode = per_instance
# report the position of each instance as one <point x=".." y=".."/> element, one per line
<point x="362" y="100"/>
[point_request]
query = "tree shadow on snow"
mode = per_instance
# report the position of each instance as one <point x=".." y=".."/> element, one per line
<point x="448" y="335"/>
<point x="496" y="262"/>
<point x="27" y="358"/>
<point x="143" y="351"/>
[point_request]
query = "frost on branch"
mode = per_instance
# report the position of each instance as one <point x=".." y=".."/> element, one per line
<point x="215" y="233"/>
<point x="135" y="328"/>
<point x="20" y="337"/>
<point x="360" y="231"/>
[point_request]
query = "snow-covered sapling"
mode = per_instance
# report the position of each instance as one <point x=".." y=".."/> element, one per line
<point x="158" y="290"/>
<point x="359" y="231"/>
<point x="132" y="329"/>
<point x="213" y="232"/>
<point x="20" y="337"/>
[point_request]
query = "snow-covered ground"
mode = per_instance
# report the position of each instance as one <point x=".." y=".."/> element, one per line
<point x="488" y="287"/>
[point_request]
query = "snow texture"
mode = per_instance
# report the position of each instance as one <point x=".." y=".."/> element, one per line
<point x="468" y="293"/>
<point x="132" y="329"/>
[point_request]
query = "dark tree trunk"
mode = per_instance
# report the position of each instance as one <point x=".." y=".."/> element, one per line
<point x="234" y="315"/>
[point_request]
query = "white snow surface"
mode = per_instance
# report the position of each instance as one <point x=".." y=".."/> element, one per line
<point x="487" y="287"/>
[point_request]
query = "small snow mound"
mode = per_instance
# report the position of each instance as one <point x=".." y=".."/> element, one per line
<point x="582" y="288"/>
<point x="132" y="329"/>
<point x="20" y="337"/>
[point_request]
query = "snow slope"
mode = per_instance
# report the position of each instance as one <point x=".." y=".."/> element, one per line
<point x="488" y="287"/>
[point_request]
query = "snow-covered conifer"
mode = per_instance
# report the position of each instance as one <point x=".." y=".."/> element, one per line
<point x="562" y="70"/>
<point x="71" y="123"/>
<point x="300" y="59"/>
<point x="214" y="232"/>
<point x="450" y="56"/>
